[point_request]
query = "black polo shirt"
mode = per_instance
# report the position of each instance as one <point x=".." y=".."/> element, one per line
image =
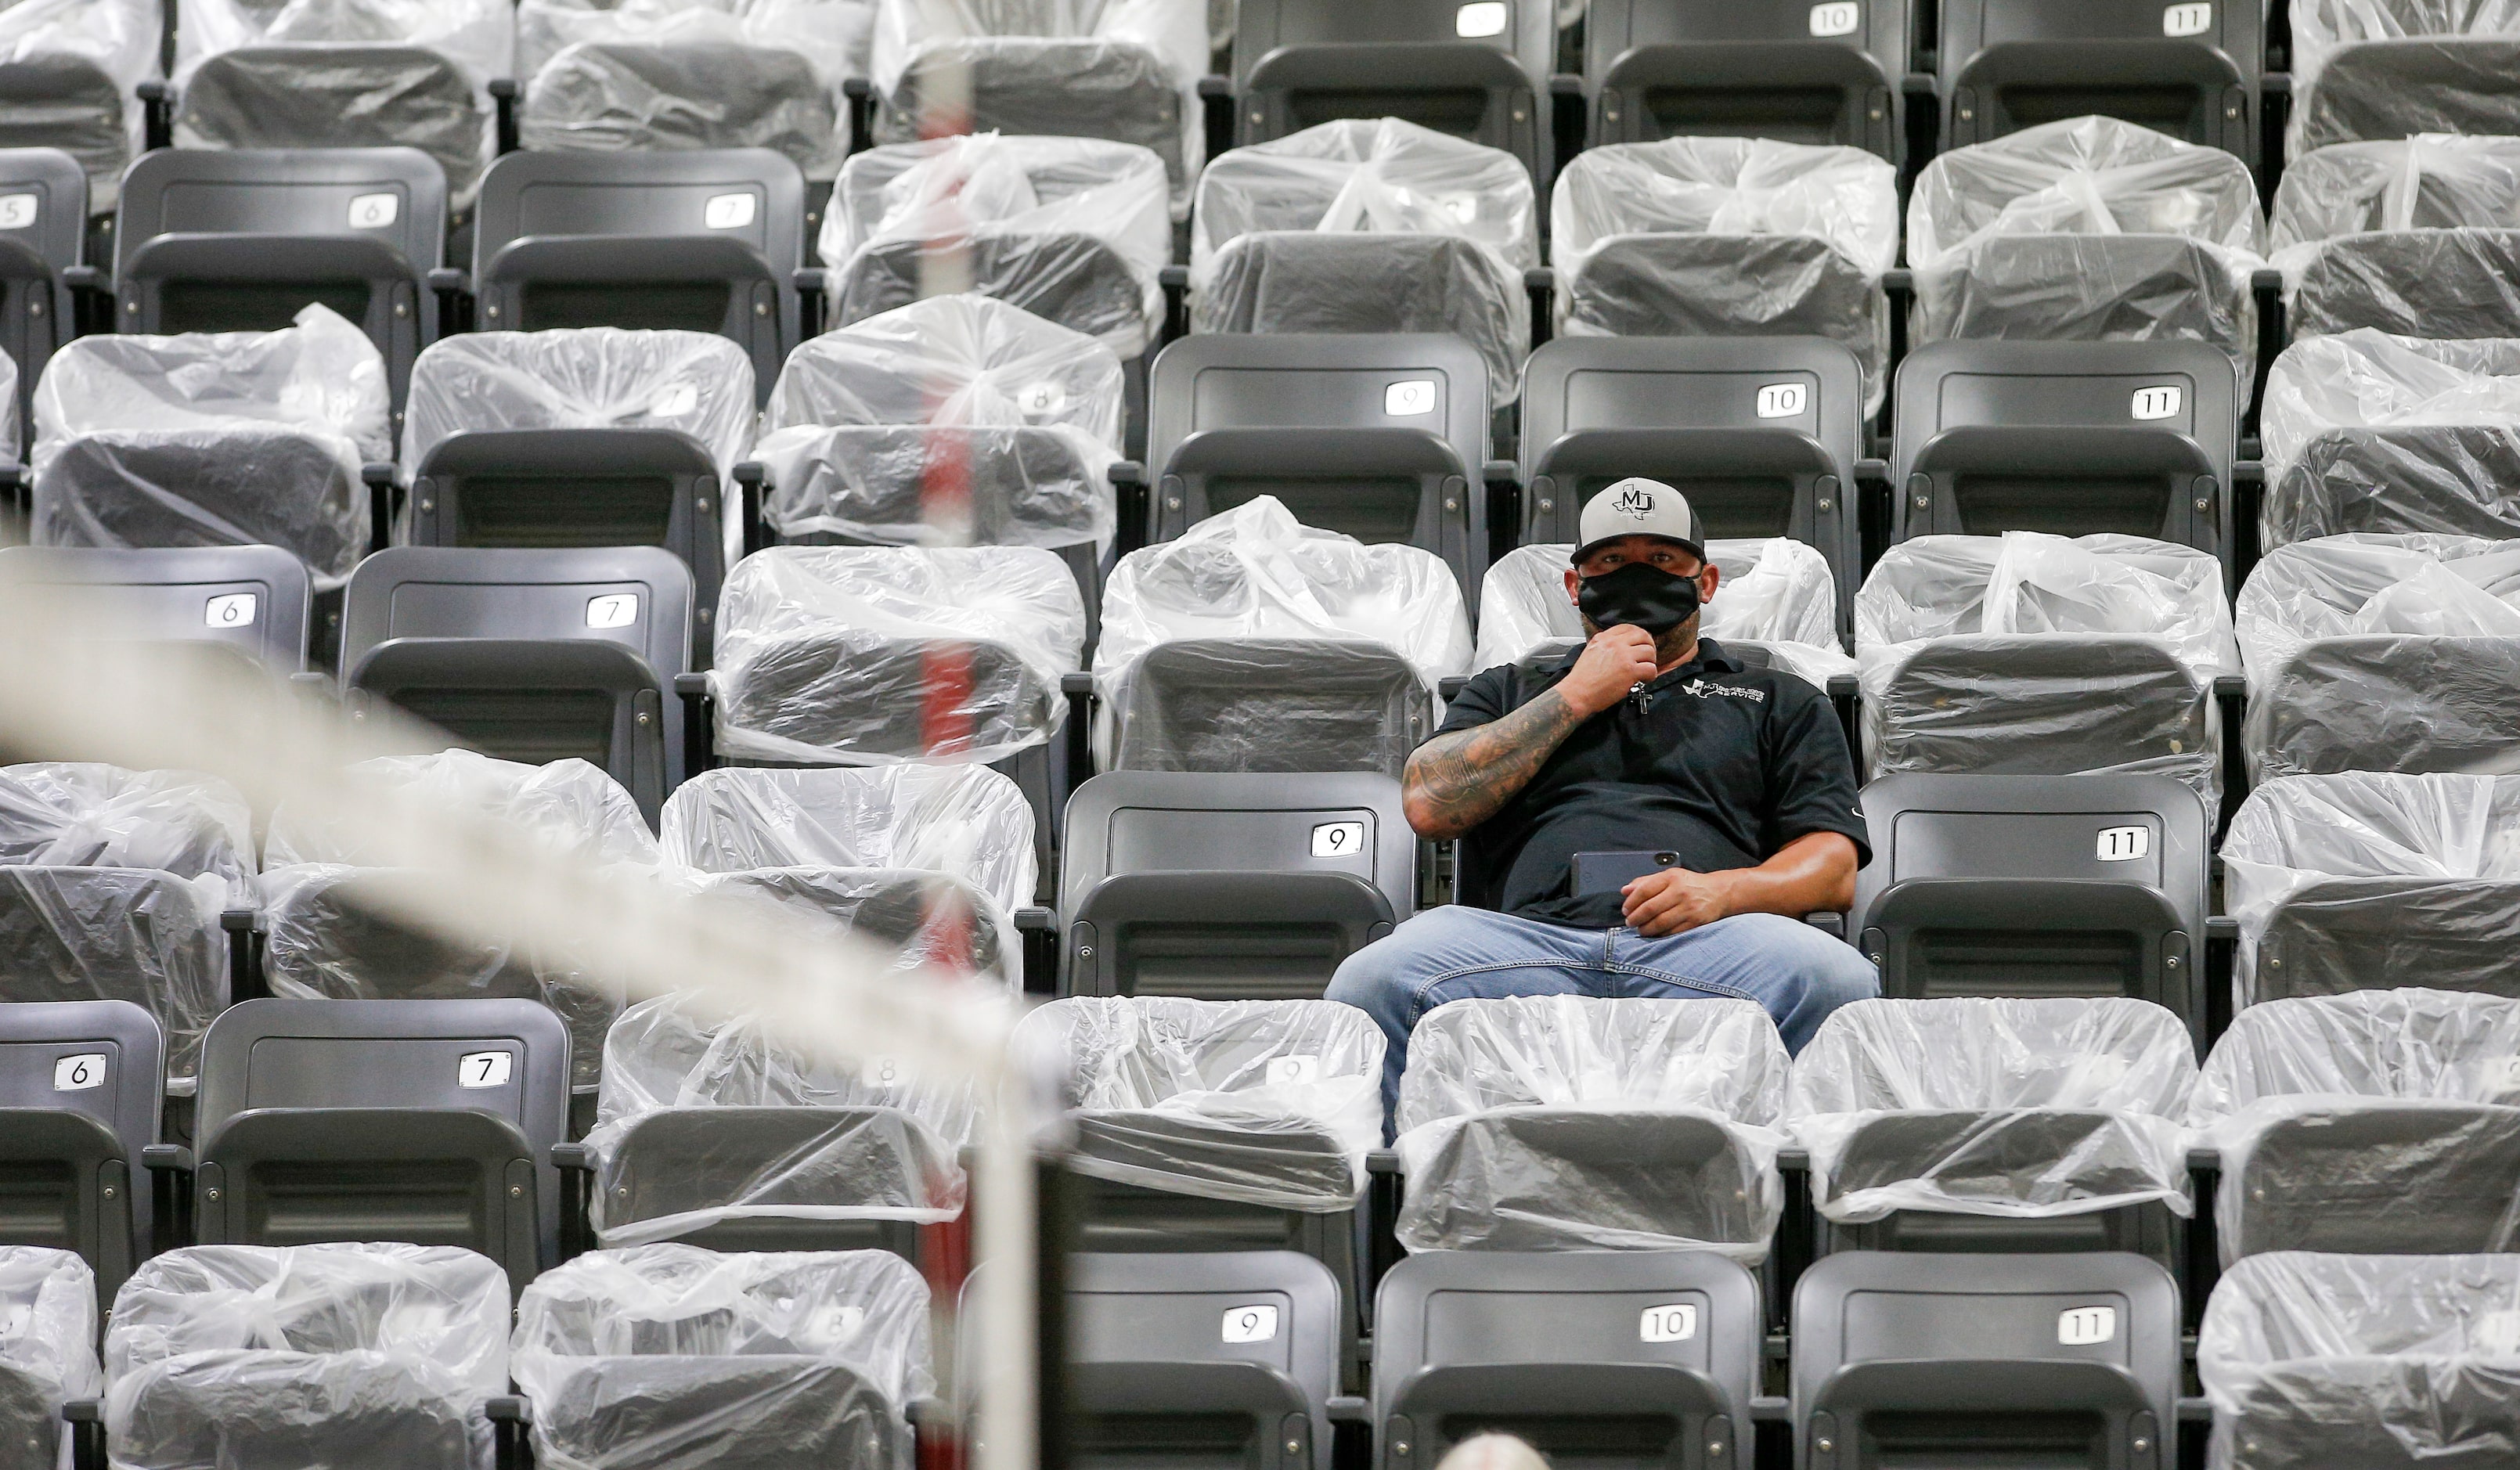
<point x="1720" y="762"/>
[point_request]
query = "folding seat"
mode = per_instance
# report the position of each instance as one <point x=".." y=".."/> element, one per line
<point x="2068" y="1359"/>
<point x="2370" y="653"/>
<point x="2363" y="880"/>
<point x="70" y="79"/>
<point x="1125" y="71"/>
<point x="2037" y="656"/>
<point x="77" y="814"/>
<point x="82" y="1087"/>
<point x="1369" y="226"/>
<point x="932" y="861"/>
<point x="699" y="239"/>
<point x="2395" y="68"/>
<point x="591" y="436"/>
<point x="1729" y="236"/>
<point x="1564" y="1122"/>
<point x="711" y="1129"/>
<point x="2087" y="230"/>
<point x="1257" y="644"/>
<point x="425" y="1122"/>
<point x="48" y="1358"/>
<point x="2008" y="65"/>
<point x="2384" y="1121"/>
<point x="2037" y="886"/>
<point x="2365" y="431"/>
<point x="1981" y="1124"/>
<point x="43" y="219"/>
<point x="530" y="655"/>
<point x="2361" y="1363"/>
<point x="639" y="1357"/>
<point x="228" y="438"/>
<point x="1772" y="69"/>
<point x="1625" y="1360"/>
<point x="1219" y="885"/>
<point x="1776" y="601"/>
<point x="254" y="598"/>
<point x="345" y="74"/>
<point x="2415" y="237"/>
<point x="266" y="1356"/>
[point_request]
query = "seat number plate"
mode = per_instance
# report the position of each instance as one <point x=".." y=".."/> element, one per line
<point x="1838" y="18"/>
<point x="1250" y="1324"/>
<point x="2086" y="1327"/>
<point x="230" y="609"/>
<point x="1338" y="839"/>
<point x="2124" y="844"/>
<point x="2190" y="20"/>
<point x="1672" y="1323"/>
<point x="483" y="1069"/>
<point x="78" y="1074"/>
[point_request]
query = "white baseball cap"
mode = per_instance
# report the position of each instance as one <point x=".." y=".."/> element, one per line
<point x="1638" y="506"/>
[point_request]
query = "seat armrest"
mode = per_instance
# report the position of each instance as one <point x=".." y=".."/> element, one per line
<point x="1871" y="471"/>
<point x="928" y="1411"/>
<point x="239" y="921"/>
<point x="84" y="1411"/>
<point x="1127" y="473"/>
<point x="1769" y="1408"/>
<point x="1831" y="921"/>
<point x="2265" y="280"/>
<point x="1916" y="84"/>
<point x="750" y="473"/>
<point x="1451" y="684"/>
<point x="2195" y="1411"/>
<point x="1173" y="277"/>
<point x="86" y="278"/>
<point x="507" y="1409"/>
<point x="811" y="278"/>
<point x="1076" y="681"/>
<point x="2231" y="687"/>
<point x="573" y="1156"/>
<point x="2204" y="1158"/>
<point x="166" y="1158"/>
<point x="2222" y="927"/>
<point x="1213" y="86"/>
<point x="692" y="686"/>
<point x="1899" y="280"/>
<point x="377" y="473"/>
<point x="449" y="277"/>
<point x="1383" y="1161"/>
<point x="1538" y="278"/>
<point x="1565" y="84"/>
<point x="1841" y="686"/>
<point x="503" y="88"/>
<point x="155" y="89"/>
<point x="857" y="88"/>
<point x="1501" y="472"/>
<point x="1348" y="1408"/>
<point x="1793" y="1159"/>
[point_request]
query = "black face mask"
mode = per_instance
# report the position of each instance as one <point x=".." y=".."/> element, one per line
<point x="1643" y="596"/>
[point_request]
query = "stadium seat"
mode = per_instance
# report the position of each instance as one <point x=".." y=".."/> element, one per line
<point x="70" y="74"/>
<point x="1775" y="605"/>
<point x="82" y="1085"/>
<point x="426" y="1122"/>
<point x="49" y="1359"/>
<point x="2415" y="237"/>
<point x="2394" y="68"/>
<point x="1540" y="1344"/>
<point x="1774" y="70"/>
<point x="2386" y="1120"/>
<point x="1369" y="226"/>
<point x="2007" y="65"/>
<point x="43" y="222"/>
<point x="329" y="1354"/>
<point x="2371" y="652"/>
<point x="1257" y="644"/>
<point x="1430" y="382"/>
<point x="254" y="599"/>
<point x="2046" y="1359"/>
<point x="2370" y="432"/>
<point x="1570" y="1122"/>
<point x="2360" y="1363"/>
<point x="639" y="1356"/>
<point x="1229" y="886"/>
<point x="697" y="240"/>
<point x="2070" y="438"/>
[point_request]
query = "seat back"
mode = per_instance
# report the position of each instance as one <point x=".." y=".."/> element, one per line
<point x="292" y="96"/>
<point x="129" y="934"/>
<point x="2168" y="387"/>
<point x="2333" y="935"/>
<point x="1155" y="822"/>
<point x="1983" y="481"/>
<point x="2399" y="87"/>
<point x="2042" y="706"/>
<point x="2088" y="288"/>
<point x="247" y="484"/>
<point x="2436" y="1180"/>
<point x="1316" y="282"/>
<point x="2413" y="283"/>
<point x="2396" y="480"/>
<point x="1271" y="704"/>
<point x="1466" y="87"/>
<point x="1769" y="68"/>
<point x="81" y="1083"/>
<point x="678" y="93"/>
<point x="2007" y="65"/>
<point x="56" y="100"/>
<point x="763" y="1178"/>
<point x="1421" y="380"/>
<point x="2386" y="701"/>
<point x="1078" y="280"/>
<point x="254" y="598"/>
<point x="43" y="219"/>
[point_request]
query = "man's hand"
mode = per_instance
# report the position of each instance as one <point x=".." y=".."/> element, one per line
<point x="1675" y="899"/>
<point x="1616" y="661"/>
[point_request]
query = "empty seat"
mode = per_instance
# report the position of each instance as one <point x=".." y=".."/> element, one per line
<point x="1770" y="69"/>
<point x="133" y="934"/>
<point x="1432" y="382"/>
<point x="1729" y="236"/>
<point x="2394" y="68"/>
<point x="82" y="1087"/>
<point x="1369" y="226"/>
<point x="640" y="1358"/>
<point x="262" y="1356"/>
<point x="70" y="74"/>
<point x="1571" y="1123"/>
<point x="2363" y="880"/>
<point x="1773" y="599"/>
<point x="2007" y="65"/>
<point x="2361" y="1363"/>
<point x="1257" y="644"/>
<point x="1475" y="75"/>
<point x="2038" y="656"/>
<point x="85" y="814"/>
<point x="2418" y="237"/>
<point x="254" y="599"/>
<point x="227" y="439"/>
<point x="2369" y="652"/>
<point x="2365" y="431"/>
<point x="2087" y="230"/>
<point x="46" y="199"/>
<point x="48" y="1357"/>
<point x="2384" y="1121"/>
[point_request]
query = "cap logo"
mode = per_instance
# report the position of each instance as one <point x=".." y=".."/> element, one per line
<point x="1634" y="503"/>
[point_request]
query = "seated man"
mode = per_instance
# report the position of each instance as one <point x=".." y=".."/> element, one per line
<point x="1643" y="817"/>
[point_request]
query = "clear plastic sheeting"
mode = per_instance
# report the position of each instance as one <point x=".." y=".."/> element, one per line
<point x="929" y="920"/>
<point x="2363" y="1363"/>
<point x="2044" y="655"/>
<point x="87" y="814"/>
<point x="2416" y="235"/>
<point x="120" y="934"/>
<point x="670" y="1355"/>
<point x="2087" y="230"/>
<point x="696" y="382"/>
<point x="2446" y="90"/>
<point x="1716" y="237"/>
<point x="830" y="655"/>
<point x="965" y="820"/>
<point x="705" y="1119"/>
<point x="1265" y="1103"/>
<point x="570" y="807"/>
<point x="2382" y="879"/>
<point x="1772" y="592"/>
<point x="1575" y="1123"/>
<point x="2365" y="431"/>
<point x="242" y="1354"/>
<point x="228" y="438"/>
<point x="86" y="57"/>
<point x="2026" y="1109"/>
<point x="1073" y="230"/>
<point x="2431" y="182"/>
<point x="48" y="1316"/>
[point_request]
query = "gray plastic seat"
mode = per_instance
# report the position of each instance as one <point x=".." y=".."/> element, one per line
<point x="1766" y="70"/>
<point x="45" y="192"/>
<point x="1430" y="382"/>
<point x="49" y="1357"/>
<point x="2449" y="282"/>
<point x="81" y="1083"/>
<point x="1299" y="63"/>
<point x="252" y="597"/>
<point x="132" y="934"/>
<point x="671" y="94"/>
<point x="2130" y="700"/>
<point x="2419" y="71"/>
<point x="1271" y="704"/>
<point x="370" y="93"/>
<point x="71" y="80"/>
<point x="2013" y="64"/>
<point x="2367" y="432"/>
<point x="1300" y="282"/>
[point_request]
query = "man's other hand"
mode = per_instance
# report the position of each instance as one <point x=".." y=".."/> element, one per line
<point x="1616" y="660"/>
<point x="1675" y="900"/>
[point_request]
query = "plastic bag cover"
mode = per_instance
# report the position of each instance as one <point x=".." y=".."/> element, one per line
<point x="929" y="920"/>
<point x="2453" y="98"/>
<point x="1770" y="590"/>
<point x="2317" y="1359"/>
<point x="2445" y="848"/>
<point x="570" y="807"/>
<point x="120" y="934"/>
<point x="966" y="820"/>
<point x="48" y="1314"/>
<point x="581" y="378"/>
<point x="1571" y="1123"/>
<point x="2432" y="181"/>
<point x="1288" y="281"/>
<point x="668" y="1354"/>
<point x="826" y="655"/>
<point x="86" y="814"/>
<point x="1265" y="1103"/>
<point x="374" y="1354"/>
<point x="2365" y="431"/>
<point x="2422" y="283"/>
<point x="2028" y="1109"/>
<point x="49" y="41"/>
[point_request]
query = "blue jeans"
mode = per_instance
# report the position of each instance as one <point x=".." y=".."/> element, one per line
<point x="1797" y="973"/>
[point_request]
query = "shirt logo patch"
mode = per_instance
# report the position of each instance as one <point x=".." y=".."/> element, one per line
<point x="1702" y="688"/>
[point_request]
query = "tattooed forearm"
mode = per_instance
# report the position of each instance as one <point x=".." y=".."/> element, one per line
<point x="1456" y="781"/>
